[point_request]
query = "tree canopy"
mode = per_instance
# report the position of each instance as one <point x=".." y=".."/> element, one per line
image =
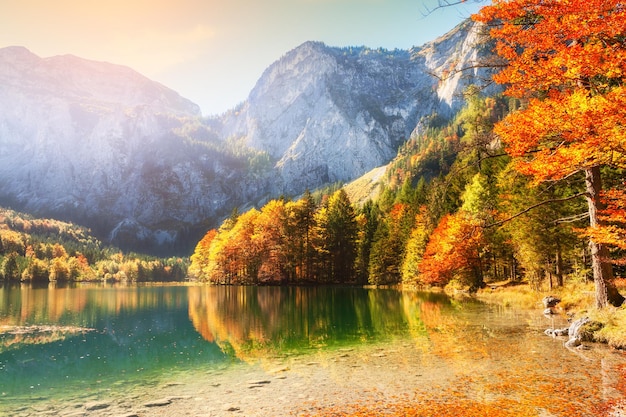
<point x="567" y="61"/>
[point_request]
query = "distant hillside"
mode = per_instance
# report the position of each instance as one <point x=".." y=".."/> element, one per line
<point x="42" y="250"/>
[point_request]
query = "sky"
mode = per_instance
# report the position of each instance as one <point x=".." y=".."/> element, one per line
<point x="213" y="51"/>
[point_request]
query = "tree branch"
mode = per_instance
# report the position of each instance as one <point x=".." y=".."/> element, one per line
<point x="554" y="200"/>
<point x="572" y="219"/>
<point x="442" y="4"/>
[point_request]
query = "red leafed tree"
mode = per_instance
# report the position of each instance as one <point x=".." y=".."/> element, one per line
<point x="453" y="251"/>
<point x="566" y="60"/>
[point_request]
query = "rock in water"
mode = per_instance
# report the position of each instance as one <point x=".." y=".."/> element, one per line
<point x="582" y="330"/>
<point x="97" y="405"/>
<point x="557" y="332"/>
<point x="158" y="403"/>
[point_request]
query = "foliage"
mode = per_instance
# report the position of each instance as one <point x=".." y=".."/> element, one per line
<point x="388" y="246"/>
<point x="567" y="61"/>
<point x="44" y="250"/>
<point x="415" y="248"/>
<point x="283" y="242"/>
<point x="454" y="251"/>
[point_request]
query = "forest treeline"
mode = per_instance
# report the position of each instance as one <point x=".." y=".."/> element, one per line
<point x="45" y="250"/>
<point x="436" y="221"/>
<point x="529" y="186"/>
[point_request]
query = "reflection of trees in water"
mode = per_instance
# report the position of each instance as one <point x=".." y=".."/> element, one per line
<point x="140" y="333"/>
<point x="255" y="320"/>
<point x="51" y="304"/>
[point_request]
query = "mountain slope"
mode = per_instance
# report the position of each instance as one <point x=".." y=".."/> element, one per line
<point x="101" y="145"/>
<point x="331" y="114"/>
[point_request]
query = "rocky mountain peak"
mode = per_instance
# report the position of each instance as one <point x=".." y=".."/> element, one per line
<point x="328" y="114"/>
<point x="102" y="145"/>
<point x="97" y="83"/>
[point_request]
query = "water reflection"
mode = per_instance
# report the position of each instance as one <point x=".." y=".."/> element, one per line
<point x="60" y="343"/>
<point x="249" y="322"/>
<point x="28" y="304"/>
<point x="54" y="341"/>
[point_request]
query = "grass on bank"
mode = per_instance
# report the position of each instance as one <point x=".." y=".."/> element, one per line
<point x="577" y="300"/>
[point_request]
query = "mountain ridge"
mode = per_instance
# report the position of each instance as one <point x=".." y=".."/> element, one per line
<point x="104" y="146"/>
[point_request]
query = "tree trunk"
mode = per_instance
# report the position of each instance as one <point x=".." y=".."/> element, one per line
<point x="559" y="266"/>
<point x="606" y="292"/>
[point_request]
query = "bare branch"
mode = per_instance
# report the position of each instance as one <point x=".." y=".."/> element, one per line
<point x="442" y="4"/>
<point x="572" y="219"/>
<point x="542" y="203"/>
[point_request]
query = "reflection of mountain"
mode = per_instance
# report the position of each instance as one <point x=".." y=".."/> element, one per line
<point x="252" y="321"/>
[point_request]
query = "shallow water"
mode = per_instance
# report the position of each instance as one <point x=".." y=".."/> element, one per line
<point x="284" y="351"/>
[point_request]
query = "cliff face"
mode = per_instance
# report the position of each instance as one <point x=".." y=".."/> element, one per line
<point x="331" y="114"/>
<point x="101" y="145"/>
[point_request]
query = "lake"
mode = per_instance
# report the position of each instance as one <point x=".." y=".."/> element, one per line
<point x="256" y="351"/>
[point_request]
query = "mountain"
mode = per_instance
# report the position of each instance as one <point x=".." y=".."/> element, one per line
<point x="101" y="145"/>
<point x="331" y="114"/>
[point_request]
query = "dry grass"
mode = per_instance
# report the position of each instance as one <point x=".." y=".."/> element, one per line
<point x="511" y="294"/>
<point x="614" y="331"/>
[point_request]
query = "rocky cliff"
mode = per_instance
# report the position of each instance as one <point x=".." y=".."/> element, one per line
<point x="331" y="114"/>
<point x="101" y="145"/>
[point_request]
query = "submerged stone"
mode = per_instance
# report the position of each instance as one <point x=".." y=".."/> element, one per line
<point x="97" y="405"/>
<point x="557" y="332"/>
<point x="158" y="403"/>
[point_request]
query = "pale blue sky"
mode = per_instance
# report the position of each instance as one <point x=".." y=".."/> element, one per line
<point x="213" y="51"/>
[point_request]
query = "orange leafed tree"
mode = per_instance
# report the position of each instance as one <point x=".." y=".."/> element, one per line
<point x="269" y="239"/>
<point x="200" y="257"/>
<point x="453" y="251"/>
<point x="566" y="60"/>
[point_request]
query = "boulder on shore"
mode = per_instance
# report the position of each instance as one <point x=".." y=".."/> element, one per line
<point x="582" y="330"/>
<point x="550" y="301"/>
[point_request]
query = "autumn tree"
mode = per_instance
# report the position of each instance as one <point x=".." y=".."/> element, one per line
<point x="200" y="257"/>
<point x="415" y="247"/>
<point x="10" y="268"/>
<point x="269" y="242"/>
<point x="223" y="264"/>
<point x="241" y="252"/>
<point x="37" y="270"/>
<point x="453" y="252"/>
<point x="567" y="61"/>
